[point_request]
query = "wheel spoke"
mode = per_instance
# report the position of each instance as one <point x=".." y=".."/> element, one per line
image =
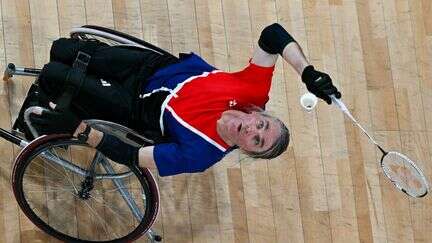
<point x="55" y="170"/>
<point x="106" y="205"/>
<point x="47" y="191"/>
<point x="66" y="173"/>
<point x="98" y="216"/>
<point x="46" y="178"/>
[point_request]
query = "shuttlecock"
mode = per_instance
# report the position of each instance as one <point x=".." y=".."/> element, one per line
<point x="308" y="101"/>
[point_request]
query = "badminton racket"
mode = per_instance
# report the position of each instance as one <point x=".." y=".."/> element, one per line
<point x="401" y="170"/>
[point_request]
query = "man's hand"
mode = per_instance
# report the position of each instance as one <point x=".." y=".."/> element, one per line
<point x="54" y="121"/>
<point x="319" y="84"/>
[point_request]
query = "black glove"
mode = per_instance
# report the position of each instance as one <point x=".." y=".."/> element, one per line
<point x="55" y="122"/>
<point x="319" y="84"/>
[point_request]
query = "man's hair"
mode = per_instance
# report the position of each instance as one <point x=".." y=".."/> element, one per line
<point x="280" y="144"/>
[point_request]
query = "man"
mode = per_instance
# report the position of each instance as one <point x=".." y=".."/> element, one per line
<point x="197" y="113"/>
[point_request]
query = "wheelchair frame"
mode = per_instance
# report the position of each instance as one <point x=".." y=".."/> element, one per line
<point x="105" y="126"/>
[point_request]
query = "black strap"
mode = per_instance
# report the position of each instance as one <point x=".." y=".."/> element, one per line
<point x="89" y="46"/>
<point x="76" y="75"/>
<point x="81" y="61"/>
<point x="83" y="136"/>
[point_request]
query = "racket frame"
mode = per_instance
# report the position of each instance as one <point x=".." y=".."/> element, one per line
<point x="418" y="170"/>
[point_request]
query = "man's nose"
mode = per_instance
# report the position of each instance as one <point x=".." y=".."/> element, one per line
<point x="248" y="128"/>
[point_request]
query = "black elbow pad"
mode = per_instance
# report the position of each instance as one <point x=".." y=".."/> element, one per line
<point x="274" y="38"/>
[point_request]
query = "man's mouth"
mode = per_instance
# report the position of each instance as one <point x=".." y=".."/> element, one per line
<point x="239" y="127"/>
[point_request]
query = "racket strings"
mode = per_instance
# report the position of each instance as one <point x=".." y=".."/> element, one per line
<point x="403" y="172"/>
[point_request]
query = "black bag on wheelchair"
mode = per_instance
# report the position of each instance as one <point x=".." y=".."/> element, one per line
<point x="63" y="77"/>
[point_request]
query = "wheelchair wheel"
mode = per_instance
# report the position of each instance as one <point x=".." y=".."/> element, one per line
<point x="113" y="38"/>
<point x="76" y="207"/>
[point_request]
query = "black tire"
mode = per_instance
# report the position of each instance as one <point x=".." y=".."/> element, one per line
<point x="49" y="192"/>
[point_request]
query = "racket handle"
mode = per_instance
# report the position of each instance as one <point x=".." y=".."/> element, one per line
<point x="339" y="103"/>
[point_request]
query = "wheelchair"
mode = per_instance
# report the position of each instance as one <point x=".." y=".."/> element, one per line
<point x="70" y="190"/>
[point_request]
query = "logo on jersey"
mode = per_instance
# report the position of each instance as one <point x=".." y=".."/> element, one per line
<point x="104" y="83"/>
<point x="232" y="103"/>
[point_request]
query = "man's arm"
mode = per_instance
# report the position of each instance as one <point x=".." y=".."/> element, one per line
<point x="293" y="54"/>
<point x="145" y="154"/>
<point x="263" y="59"/>
<point x="274" y="40"/>
<point x="145" y="157"/>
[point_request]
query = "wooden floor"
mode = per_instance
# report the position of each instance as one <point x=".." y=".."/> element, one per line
<point x="328" y="186"/>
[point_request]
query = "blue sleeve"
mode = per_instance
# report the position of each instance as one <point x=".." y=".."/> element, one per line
<point x="171" y="75"/>
<point x="172" y="159"/>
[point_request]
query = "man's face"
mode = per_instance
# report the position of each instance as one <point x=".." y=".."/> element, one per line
<point x="250" y="131"/>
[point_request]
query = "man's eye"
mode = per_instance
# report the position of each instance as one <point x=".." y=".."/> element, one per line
<point x="260" y="125"/>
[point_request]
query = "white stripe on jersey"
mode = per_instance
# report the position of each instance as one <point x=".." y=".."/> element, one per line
<point x="196" y="131"/>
